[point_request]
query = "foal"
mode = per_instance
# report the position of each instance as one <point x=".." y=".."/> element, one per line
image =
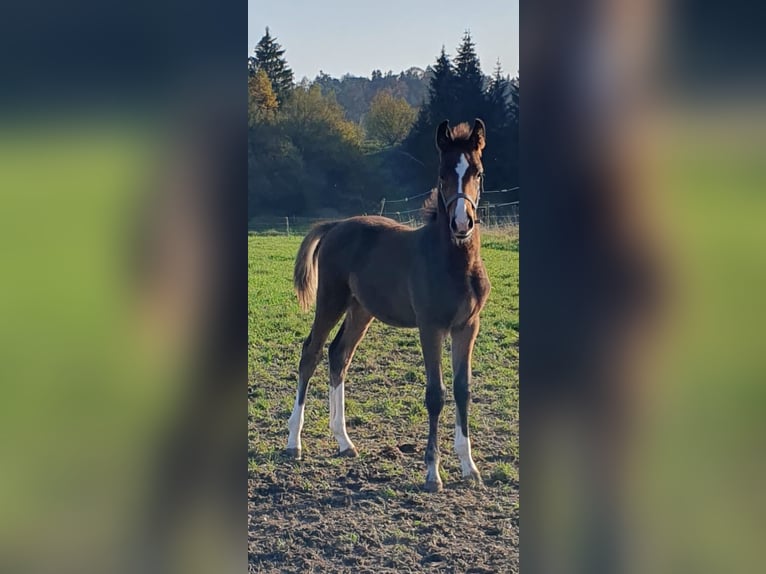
<point x="431" y="278"/>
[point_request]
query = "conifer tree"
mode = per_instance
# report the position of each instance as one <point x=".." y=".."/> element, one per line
<point x="501" y="157"/>
<point x="498" y="98"/>
<point x="269" y="57"/>
<point x="467" y="65"/>
<point x="440" y="105"/>
<point x="441" y="90"/>
<point x="469" y="82"/>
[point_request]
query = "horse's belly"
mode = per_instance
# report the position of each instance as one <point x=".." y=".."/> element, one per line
<point x="394" y="319"/>
<point x="389" y="311"/>
<point x="390" y="304"/>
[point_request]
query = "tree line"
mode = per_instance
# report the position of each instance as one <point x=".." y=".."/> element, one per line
<point x="336" y="146"/>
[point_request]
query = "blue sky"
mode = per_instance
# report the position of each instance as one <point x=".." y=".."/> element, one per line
<point x="356" y="37"/>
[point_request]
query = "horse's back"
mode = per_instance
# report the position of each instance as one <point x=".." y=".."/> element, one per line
<point x="372" y="223"/>
<point x="353" y="241"/>
<point x="372" y="255"/>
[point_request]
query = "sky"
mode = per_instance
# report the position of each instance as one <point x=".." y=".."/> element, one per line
<point x="356" y="37"/>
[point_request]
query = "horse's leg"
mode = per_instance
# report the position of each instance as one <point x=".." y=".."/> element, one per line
<point x="341" y="352"/>
<point x="329" y="308"/>
<point x="463" y="339"/>
<point x="431" y="340"/>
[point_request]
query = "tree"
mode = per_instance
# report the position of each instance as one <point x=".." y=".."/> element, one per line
<point x="269" y="57"/>
<point x="513" y="98"/>
<point x="309" y="161"/>
<point x="389" y="119"/>
<point x="501" y="117"/>
<point x="310" y="113"/>
<point x="262" y="103"/>
<point x="498" y="94"/>
<point x="456" y="93"/>
<point x="469" y="82"/>
<point x="441" y="105"/>
<point x="441" y="91"/>
<point x="306" y="154"/>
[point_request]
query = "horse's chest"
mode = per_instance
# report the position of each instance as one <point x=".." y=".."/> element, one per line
<point x="454" y="300"/>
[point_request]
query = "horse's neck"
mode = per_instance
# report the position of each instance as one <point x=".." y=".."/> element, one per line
<point x="464" y="254"/>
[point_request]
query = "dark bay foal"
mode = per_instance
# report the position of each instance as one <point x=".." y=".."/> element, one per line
<point x="431" y="278"/>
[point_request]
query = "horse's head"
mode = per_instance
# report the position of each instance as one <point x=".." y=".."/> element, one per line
<point x="460" y="175"/>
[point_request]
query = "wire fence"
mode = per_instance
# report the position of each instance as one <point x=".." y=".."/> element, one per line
<point x="491" y="215"/>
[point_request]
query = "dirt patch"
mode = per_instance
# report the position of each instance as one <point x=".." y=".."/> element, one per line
<point x="324" y="514"/>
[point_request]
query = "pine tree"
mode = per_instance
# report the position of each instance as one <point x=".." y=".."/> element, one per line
<point x="469" y="82"/>
<point x="501" y="155"/>
<point x="440" y="105"/>
<point x="498" y="95"/>
<point x="441" y="90"/>
<point x="513" y="98"/>
<point x="269" y="57"/>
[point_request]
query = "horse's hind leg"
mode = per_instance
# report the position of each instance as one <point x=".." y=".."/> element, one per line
<point x="463" y="339"/>
<point x="329" y="307"/>
<point x="342" y="349"/>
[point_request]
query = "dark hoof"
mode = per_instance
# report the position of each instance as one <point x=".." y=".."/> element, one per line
<point x="432" y="486"/>
<point x="350" y="452"/>
<point x="294" y="453"/>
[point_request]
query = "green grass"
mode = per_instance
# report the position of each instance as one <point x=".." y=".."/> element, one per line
<point x="386" y="381"/>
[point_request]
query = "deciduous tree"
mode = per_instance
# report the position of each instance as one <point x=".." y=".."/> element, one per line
<point x="389" y="119"/>
<point x="262" y="103"/>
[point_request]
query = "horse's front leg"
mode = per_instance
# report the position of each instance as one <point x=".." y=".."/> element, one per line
<point x="463" y="339"/>
<point x="431" y="340"/>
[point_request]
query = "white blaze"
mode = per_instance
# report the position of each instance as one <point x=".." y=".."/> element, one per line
<point x="338" y="417"/>
<point x="461" y="212"/>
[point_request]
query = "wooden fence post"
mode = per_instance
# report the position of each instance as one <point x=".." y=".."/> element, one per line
<point x="382" y="205"/>
<point x="287" y="225"/>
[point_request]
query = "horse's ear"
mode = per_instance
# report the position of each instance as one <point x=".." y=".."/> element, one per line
<point x="478" y="135"/>
<point x="443" y="136"/>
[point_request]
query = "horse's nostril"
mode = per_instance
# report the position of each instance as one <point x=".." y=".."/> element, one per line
<point x="470" y="222"/>
<point x="453" y="224"/>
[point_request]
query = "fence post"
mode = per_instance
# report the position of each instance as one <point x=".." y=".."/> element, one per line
<point x="287" y="225"/>
<point x="382" y="205"/>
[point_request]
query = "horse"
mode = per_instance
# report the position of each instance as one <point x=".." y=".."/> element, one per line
<point x="431" y="278"/>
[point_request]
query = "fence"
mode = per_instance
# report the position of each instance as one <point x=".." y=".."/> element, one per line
<point x="491" y="215"/>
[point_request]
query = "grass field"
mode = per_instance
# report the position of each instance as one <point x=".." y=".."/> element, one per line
<point x="369" y="514"/>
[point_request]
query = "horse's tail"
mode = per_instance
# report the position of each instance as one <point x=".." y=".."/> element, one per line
<point x="305" y="275"/>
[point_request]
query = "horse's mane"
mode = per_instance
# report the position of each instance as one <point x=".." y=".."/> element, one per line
<point x="461" y="132"/>
<point x="431" y="206"/>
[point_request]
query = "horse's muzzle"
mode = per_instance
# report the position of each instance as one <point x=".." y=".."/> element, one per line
<point x="461" y="238"/>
